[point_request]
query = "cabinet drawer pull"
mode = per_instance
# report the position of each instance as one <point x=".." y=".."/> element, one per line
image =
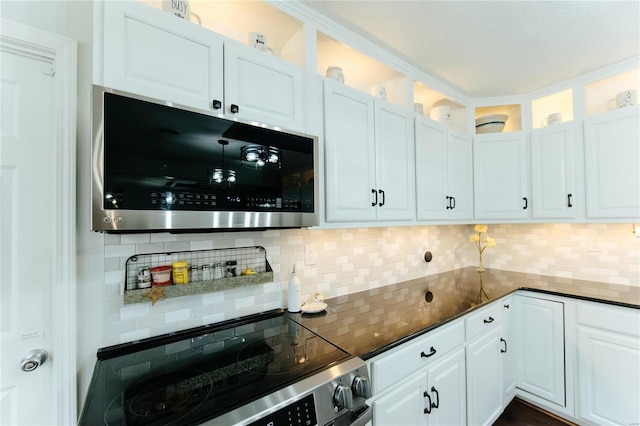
<point x="506" y="306"/>
<point x="454" y="202"/>
<point x="216" y="104"/>
<point x="526" y="203"/>
<point x="427" y="409"/>
<point x="234" y="109"/>
<point x="448" y="202"/>
<point x="569" y="200"/>
<point x="374" y="192"/>
<point x="437" y="403"/>
<point x="432" y="352"/>
<point x="504" y="351"/>
<point x="488" y="320"/>
<point x="381" y="192"/>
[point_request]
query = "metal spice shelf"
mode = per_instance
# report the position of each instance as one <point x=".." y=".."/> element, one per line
<point x="253" y="258"/>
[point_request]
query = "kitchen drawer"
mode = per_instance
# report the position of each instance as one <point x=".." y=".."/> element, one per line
<point x="418" y="353"/>
<point x="612" y="318"/>
<point x="483" y="320"/>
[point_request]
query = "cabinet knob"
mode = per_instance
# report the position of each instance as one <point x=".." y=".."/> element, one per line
<point x="216" y="104"/>
<point x="234" y="109"/>
<point x="361" y="387"/>
<point x="343" y="397"/>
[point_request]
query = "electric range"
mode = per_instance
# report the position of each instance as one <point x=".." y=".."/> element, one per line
<point x="263" y="369"/>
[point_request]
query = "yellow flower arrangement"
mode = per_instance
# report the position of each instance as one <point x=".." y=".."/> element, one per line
<point x="478" y="240"/>
<point x="481" y="243"/>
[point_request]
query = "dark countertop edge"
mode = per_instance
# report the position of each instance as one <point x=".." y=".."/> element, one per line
<point x="438" y="324"/>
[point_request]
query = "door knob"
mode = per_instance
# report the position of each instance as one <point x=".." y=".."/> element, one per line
<point x="33" y="360"/>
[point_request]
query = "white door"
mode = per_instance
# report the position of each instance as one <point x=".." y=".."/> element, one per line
<point x="500" y="177"/>
<point x="483" y="379"/>
<point x="552" y="172"/>
<point x="406" y="405"/>
<point x="394" y="158"/>
<point x="33" y="109"/>
<point x="460" y="171"/>
<point x="151" y="53"/>
<point x="611" y="164"/>
<point x="431" y="170"/>
<point x="540" y="354"/>
<point x="263" y="88"/>
<point x="350" y="166"/>
<point x="448" y="391"/>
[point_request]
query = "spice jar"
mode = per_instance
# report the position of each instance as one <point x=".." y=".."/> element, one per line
<point x="217" y="271"/>
<point x="194" y="275"/>
<point x="231" y="268"/>
<point x="206" y="273"/>
<point x="180" y="272"/>
<point x="144" y="279"/>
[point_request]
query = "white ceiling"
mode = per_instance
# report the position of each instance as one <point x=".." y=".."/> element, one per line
<point x="496" y="48"/>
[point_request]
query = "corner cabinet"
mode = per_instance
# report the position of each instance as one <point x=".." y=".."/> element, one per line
<point x="444" y="178"/>
<point x="154" y="54"/>
<point x="612" y="152"/>
<point x="368" y="157"/>
<point x="553" y="183"/>
<point x="540" y="349"/>
<point x="608" y="365"/>
<point x="501" y="176"/>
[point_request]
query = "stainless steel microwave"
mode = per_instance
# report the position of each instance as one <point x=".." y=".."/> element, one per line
<point x="157" y="166"/>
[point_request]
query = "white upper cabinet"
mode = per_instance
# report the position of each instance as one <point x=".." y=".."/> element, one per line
<point x="612" y="153"/>
<point x="553" y="186"/>
<point x="443" y="172"/>
<point x="501" y="176"/>
<point x="263" y="88"/>
<point x="368" y="147"/>
<point x="394" y="162"/>
<point x="154" y="54"/>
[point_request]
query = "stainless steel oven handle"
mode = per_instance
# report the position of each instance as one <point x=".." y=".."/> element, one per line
<point x="365" y="417"/>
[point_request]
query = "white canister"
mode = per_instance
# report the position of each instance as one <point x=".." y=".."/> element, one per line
<point x="441" y="114"/>
<point x="379" y="91"/>
<point x="335" y="73"/>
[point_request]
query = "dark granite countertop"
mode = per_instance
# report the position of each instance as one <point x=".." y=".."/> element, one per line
<point x="371" y="322"/>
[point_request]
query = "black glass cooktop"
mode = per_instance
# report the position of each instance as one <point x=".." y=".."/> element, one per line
<point x="198" y="374"/>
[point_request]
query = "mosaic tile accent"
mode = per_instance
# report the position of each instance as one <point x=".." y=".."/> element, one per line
<point x="353" y="260"/>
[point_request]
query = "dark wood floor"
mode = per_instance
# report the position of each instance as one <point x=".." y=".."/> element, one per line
<point x="520" y="413"/>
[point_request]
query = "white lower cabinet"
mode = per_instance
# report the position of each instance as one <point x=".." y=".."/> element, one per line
<point x="608" y="365"/>
<point x="484" y="402"/>
<point x="431" y="396"/>
<point x="507" y="352"/>
<point x="540" y="348"/>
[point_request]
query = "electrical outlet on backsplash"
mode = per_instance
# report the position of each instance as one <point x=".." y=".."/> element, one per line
<point x="352" y="260"/>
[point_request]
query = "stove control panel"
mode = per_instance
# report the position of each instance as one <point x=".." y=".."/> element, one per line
<point x="299" y="413"/>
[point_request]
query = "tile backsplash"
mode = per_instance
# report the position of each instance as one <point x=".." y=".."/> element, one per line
<point x="352" y="260"/>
